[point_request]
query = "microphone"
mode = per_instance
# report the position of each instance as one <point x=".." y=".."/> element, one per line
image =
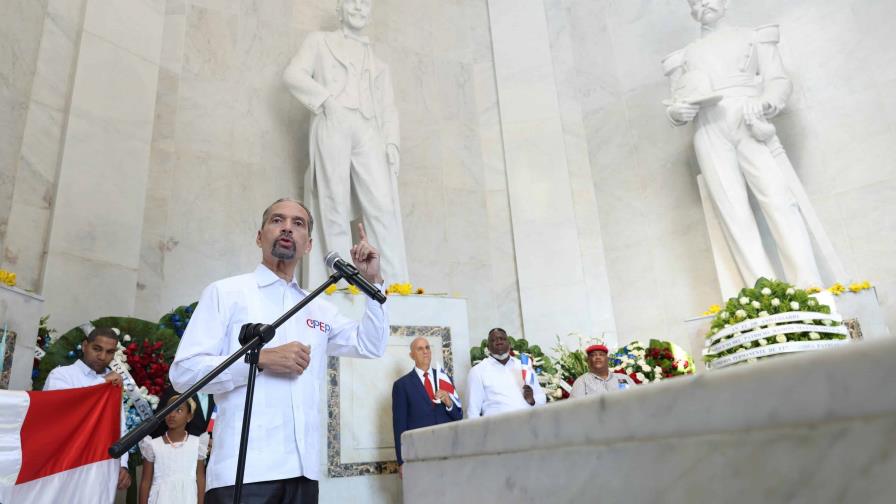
<point x="353" y="276"/>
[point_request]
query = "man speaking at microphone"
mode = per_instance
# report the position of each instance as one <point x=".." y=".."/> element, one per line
<point x="282" y="462"/>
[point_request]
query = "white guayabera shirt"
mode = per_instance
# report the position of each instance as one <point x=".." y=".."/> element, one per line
<point x="285" y="434"/>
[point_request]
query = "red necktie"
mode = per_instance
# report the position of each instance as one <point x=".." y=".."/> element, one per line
<point x="427" y="384"/>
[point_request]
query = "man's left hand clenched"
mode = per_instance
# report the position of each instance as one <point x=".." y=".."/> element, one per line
<point x="366" y="258"/>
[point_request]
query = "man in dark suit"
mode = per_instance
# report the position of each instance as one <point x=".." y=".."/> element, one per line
<point x="417" y="398"/>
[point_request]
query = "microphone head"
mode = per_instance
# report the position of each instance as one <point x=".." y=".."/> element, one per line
<point x="331" y="259"/>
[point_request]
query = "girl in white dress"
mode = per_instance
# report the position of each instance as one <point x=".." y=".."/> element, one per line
<point x="174" y="463"/>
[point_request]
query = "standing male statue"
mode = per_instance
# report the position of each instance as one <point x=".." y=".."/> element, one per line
<point x="731" y="81"/>
<point x="354" y="139"/>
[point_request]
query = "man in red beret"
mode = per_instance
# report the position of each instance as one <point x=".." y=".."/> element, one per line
<point x="599" y="379"/>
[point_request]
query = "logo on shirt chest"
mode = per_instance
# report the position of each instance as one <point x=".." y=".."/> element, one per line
<point x="317" y="324"/>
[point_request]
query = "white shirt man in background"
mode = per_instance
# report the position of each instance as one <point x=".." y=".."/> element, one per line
<point x="496" y="384"/>
<point x="92" y="368"/>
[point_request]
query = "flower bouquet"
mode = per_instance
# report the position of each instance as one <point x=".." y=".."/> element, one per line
<point x="657" y="361"/>
<point x="769" y="319"/>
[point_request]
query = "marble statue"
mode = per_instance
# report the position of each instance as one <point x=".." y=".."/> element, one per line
<point x="730" y="82"/>
<point x="354" y="137"/>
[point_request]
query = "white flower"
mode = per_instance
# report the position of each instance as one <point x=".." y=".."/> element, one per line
<point x="748" y="344"/>
<point x="735" y="335"/>
<point x="781" y="338"/>
<point x="714" y="330"/>
<point x="641" y="377"/>
<point x="766" y="291"/>
<point x="739" y="350"/>
<point x="127" y="337"/>
<point x="645" y="368"/>
<point x="827" y="322"/>
<point x="794" y="305"/>
<point x="763" y="313"/>
<point x="740" y="314"/>
<point x="724" y="315"/>
<point x="763" y="341"/>
<point x="116" y="331"/>
<point x="727" y="325"/>
<point x="814" y="336"/>
<point x="744" y="300"/>
<point x="629" y="370"/>
<point x="808" y="322"/>
<point x="773" y="324"/>
<point x="811" y="302"/>
<point x="658" y="371"/>
<point x="790" y="291"/>
<point x="776" y="302"/>
<point x="755" y="304"/>
<point x="643" y="363"/>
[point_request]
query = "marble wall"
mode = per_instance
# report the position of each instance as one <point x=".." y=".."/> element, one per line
<point x="21" y="23"/>
<point x="839" y="130"/>
<point x="556" y="230"/>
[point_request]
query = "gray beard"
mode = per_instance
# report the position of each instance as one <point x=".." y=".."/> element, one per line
<point x="283" y="254"/>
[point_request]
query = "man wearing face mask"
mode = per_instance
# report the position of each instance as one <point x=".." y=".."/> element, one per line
<point x="354" y="136"/>
<point x="496" y="384"/>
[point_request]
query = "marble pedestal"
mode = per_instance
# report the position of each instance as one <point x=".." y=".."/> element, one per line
<point x="359" y="453"/>
<point x="20" y="311"/>
<point x="816" y="427"/>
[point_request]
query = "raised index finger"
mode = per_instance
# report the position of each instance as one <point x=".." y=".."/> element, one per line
<point x="361" y="233"/>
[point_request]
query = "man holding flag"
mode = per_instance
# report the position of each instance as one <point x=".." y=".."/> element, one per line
<point x="423" y="397"/>
<point x="501" y="382"/>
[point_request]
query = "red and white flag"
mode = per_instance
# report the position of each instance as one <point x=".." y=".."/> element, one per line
<point x="211" y="420"/>
<point x="53" y="445"/>
<point x="447" y="385"/>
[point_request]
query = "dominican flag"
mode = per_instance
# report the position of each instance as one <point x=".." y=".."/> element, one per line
<point x="528" y="372"/>
<point x="211" y="420"/>
<point x="53" y="445"/>
<point x="445" y="383"/>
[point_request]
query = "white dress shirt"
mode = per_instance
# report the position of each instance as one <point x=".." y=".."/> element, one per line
<point x="285" y="434"/>
<point x="433" y="381"/>
<point x="496" y="388"/>
<point x="79" y="375"/>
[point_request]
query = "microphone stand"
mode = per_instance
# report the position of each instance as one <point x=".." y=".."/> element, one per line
<point x="252" y="337"/>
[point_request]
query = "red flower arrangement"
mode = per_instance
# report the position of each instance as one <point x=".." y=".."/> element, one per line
<point x="657" y="354"/>
<point x="148" y="366"/>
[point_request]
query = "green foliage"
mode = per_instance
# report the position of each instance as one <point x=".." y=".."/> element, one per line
<point x="571" y="364"/>
<point x="66" y="349"/>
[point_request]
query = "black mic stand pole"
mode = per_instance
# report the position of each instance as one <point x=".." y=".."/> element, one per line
<point x="252" y="337"/>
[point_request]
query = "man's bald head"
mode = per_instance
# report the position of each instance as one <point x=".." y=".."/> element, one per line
<point x="421" y="353"/>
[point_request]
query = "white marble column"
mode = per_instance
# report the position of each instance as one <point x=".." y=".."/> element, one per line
<point x="94" y="243"/>
<point x="556" y="231"/>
